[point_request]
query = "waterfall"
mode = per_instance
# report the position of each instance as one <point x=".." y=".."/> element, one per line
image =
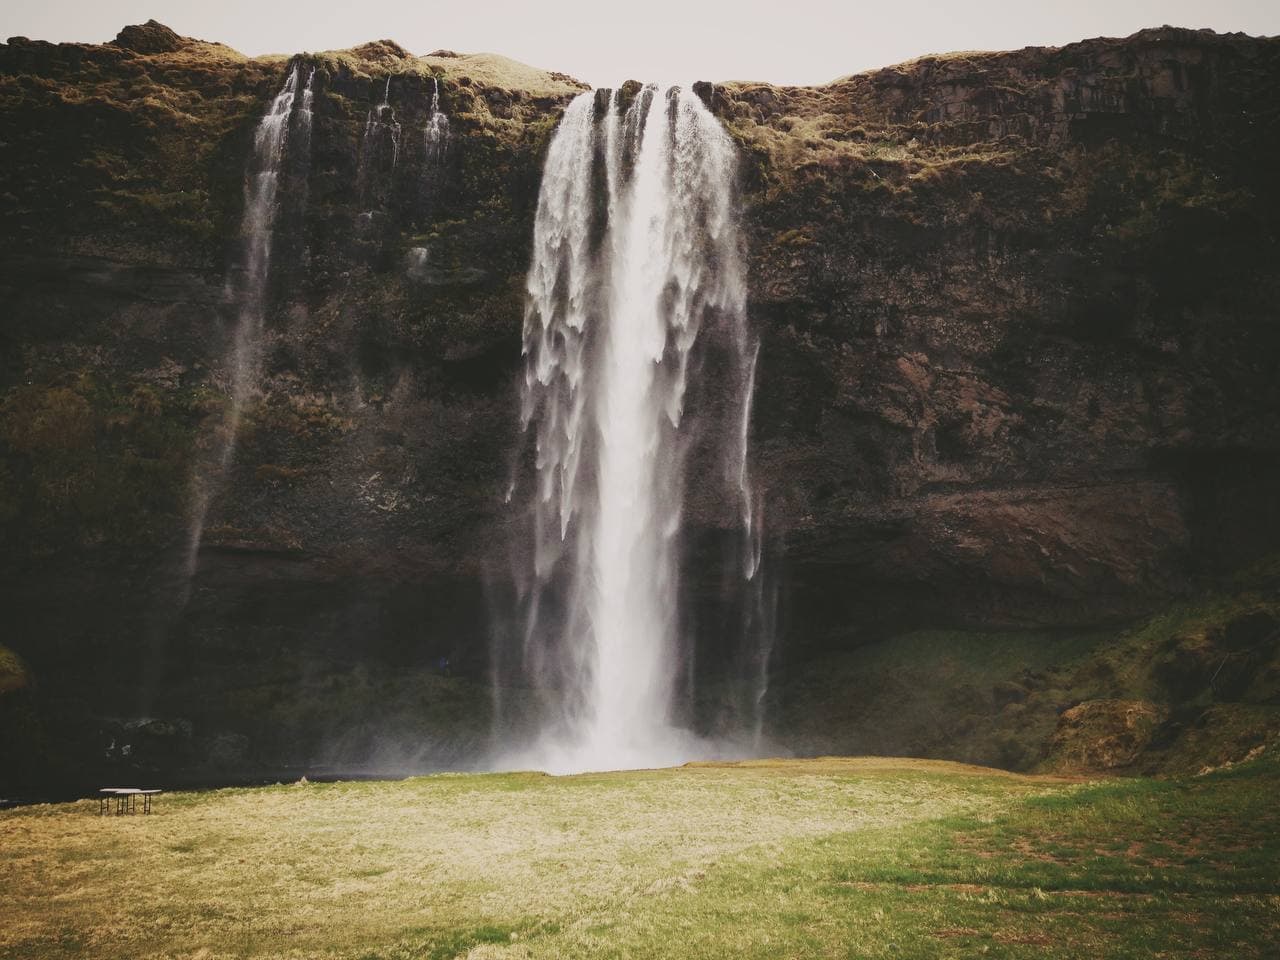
<point x="381" y="123"/>
<point x="436" y="133"/>
<point x="302" y="117"/>
<point x="261" y="186"/>
<point x="248" y="290"/>
<point x="627" y="300"/>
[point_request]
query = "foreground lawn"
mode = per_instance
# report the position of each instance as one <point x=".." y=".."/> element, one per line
<point x="823" y="858"/>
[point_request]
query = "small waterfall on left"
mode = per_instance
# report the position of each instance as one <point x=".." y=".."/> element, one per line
<point x="261" y="186"/>
<point x="288" y="116"/>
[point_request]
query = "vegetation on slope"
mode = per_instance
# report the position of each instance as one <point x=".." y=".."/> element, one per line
<point x="1194" y="686"/>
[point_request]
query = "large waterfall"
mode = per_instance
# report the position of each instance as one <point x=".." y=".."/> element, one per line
<point x="639" y="369"/>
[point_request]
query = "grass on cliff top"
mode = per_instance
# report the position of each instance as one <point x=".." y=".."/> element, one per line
<point x="872" y="858"/>
<point x="495" y="70"/>
<point x="484" y="69"/>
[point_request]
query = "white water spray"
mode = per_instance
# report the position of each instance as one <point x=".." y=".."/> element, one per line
<point x="261" y="188"/>
<point x="619" y="296"/>
<point x="380" y="122"/>
<point x="249" y="292"/>
<point x="436" y="133"/>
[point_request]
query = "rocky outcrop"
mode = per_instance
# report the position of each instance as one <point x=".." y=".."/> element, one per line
<point x="1104" y="735"/>
<point x="1018" y="366"/>
<point x="149" y="37"/>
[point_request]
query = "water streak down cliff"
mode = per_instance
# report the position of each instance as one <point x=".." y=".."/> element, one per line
<point x="288" y="114"/>
<point x="249" y="289"/>
<point x="637" y="274"/>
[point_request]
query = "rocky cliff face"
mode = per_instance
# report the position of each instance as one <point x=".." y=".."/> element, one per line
<point x="1019" y="371"/>
<point x="1019" y="307"/>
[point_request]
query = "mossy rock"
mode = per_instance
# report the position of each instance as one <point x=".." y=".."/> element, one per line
<point x="13" y="672"/>
<point x="1100" y="735"/>
<point x="149" y="37"/>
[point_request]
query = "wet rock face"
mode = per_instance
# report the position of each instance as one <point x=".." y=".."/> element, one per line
<point x="1017" y="369"/>
<point x="1017" y="311"/>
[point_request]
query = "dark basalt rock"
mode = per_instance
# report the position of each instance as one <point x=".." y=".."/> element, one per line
<point x="1018" y="372"/>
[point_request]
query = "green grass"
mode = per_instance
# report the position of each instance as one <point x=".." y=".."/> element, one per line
<point x="826" y="858"/>
<point x="997" y="697"/>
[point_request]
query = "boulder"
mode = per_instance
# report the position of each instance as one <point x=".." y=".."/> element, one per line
<point x="1104" y="735"/>
<point x="149" y="37"/>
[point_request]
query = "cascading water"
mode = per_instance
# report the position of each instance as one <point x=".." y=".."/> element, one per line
<point x="380" y="124"/>
<point x="627" y="299"/>
<point x="262" y="184"/>
<point x="261" y="188"/>
<point x="435" y="135"/>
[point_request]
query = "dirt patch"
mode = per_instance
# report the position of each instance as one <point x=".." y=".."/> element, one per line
<point x="952" y="933"/>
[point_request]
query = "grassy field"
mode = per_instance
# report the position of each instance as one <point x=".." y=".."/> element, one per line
<point x="820" y="858"/>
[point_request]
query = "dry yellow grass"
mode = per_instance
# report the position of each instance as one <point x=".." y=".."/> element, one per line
<point x="831" y="857"/>
<point x="496" y="70"/>
<point x="330" y="870"/>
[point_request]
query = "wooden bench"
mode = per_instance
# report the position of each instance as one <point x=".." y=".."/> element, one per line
<point x="126" y="799"/>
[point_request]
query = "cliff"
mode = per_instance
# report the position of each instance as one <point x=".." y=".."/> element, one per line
<point x="1018" y="374"/>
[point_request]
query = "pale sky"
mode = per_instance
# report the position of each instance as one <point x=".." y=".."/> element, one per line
<point x="605" y="41"/>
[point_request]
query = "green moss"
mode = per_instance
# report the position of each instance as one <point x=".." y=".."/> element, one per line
<point x="13" y="672"/>
<point x="352" y="713"/>
<point x="1212" y="680"/>
<point x="794" y="238"/>
<point x="141" y="138"/>
<point x="84" y="461"/>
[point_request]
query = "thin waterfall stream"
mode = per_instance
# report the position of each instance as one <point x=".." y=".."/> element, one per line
<point x="261" y="202"/>
<point x="435" y="135"/>
<point x="288" y="115"/>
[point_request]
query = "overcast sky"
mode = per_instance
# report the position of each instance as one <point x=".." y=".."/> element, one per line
<point x="605" y="41"/>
